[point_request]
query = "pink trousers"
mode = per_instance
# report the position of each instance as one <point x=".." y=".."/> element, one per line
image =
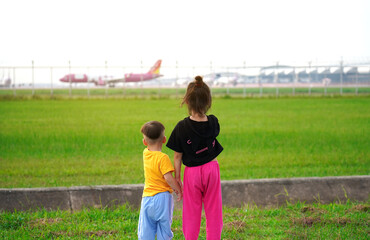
<point x="202" y="184"/>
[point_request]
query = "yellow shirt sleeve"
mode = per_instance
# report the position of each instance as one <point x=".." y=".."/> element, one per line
<point x="166" y="165"/>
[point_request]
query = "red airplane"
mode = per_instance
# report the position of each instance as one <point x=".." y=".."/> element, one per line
<point x="111" y="81"/>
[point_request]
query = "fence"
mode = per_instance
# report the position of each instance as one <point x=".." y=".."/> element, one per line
<point x="240" y="81"/>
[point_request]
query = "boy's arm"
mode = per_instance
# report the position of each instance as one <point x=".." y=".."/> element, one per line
<point x="177" y="164"/>
<point x="173" y="184"/>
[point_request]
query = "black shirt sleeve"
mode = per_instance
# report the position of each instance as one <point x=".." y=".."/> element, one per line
<point x="174" y="142"/>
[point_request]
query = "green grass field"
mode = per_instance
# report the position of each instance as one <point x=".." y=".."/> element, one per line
<point x="297" y="221"/>
<point x="128" y="92"/>
<point x="69" y="142"/>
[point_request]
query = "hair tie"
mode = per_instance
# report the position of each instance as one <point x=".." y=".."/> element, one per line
<point x="198" y="81"/>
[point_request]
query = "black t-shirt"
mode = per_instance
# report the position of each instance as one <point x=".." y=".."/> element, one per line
<point x="196" y="141"/>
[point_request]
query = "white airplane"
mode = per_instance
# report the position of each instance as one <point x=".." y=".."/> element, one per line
<point x="5" y="81"/>
<point x="183" y="81"/>
<point x="223" y="78"/>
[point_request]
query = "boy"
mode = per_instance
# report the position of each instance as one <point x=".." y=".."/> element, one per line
<point x="157" y="203"/>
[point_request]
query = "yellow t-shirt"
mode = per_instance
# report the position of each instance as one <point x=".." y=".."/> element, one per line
<point x="156" y="164"/>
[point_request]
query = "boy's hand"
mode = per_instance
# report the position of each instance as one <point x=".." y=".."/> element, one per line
<point x="174" y="184"/>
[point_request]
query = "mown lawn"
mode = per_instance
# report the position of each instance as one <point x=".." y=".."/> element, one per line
<point x="69" y="142"/>
<point x="139" y="92"/>
<point x="293" y="221"/>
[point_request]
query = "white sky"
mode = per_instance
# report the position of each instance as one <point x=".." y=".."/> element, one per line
<point x="193" y="32"/>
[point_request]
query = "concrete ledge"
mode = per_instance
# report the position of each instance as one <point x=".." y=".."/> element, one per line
<point x="261" y="192"/>
<point x="33" y="198"/>
<point x="267" y="192"/>
<point x="102" y="196"/>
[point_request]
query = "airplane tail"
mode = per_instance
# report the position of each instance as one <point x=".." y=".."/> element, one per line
<point x="156" y="67"/>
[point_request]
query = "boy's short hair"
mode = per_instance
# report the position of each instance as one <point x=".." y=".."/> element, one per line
<point x="153" y="131"/>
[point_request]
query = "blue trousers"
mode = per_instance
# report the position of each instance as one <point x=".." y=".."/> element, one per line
<point x="156" y="217"/>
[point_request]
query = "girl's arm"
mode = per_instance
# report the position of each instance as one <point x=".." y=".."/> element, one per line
<point x="177" y="164"/>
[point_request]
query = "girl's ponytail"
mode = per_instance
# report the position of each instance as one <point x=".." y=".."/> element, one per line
<point x="199" y="81"/>
<point x="198" y="96"/>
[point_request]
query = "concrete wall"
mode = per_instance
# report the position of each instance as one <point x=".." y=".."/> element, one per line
<point x="261" y="192"/>
<point x="268" y="192"/>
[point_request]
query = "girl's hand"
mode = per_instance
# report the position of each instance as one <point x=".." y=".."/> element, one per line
<point x="179" y="196"/>
<point x="180" y="183"/>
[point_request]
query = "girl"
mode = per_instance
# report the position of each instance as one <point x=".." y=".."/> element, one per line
<point x="194" y="142"/>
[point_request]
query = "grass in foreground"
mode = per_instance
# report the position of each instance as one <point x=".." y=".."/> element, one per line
<point x="47" y="143"/>
<point x="293" y="221"/>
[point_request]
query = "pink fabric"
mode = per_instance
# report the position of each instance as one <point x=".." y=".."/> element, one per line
<point x="202" y="184"/>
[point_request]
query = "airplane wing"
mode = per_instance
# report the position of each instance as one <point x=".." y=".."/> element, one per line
<point x="115" y="80"/>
